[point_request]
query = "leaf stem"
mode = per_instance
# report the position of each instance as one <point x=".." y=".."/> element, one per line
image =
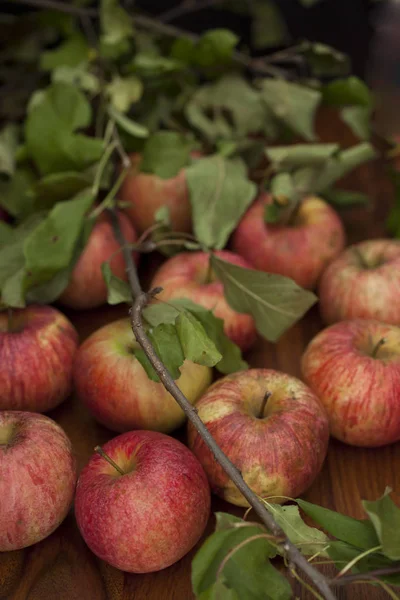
<point x="110" y="196"/>
<point x="102" y="165"/>
<point x="355" y="560"/>
<point x="100" y="451"/>
<point x="243" y="543"/>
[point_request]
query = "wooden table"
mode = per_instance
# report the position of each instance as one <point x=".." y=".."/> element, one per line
<point x="63" y="568"/>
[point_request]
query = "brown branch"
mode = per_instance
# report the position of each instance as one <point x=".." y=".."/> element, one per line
<point x="347" y="579"/>
<point x="186" y="7"/>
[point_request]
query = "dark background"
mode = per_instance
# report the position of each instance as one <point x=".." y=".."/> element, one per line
<point x="345" y="24"/>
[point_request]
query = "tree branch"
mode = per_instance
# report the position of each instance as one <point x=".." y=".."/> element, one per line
<point x="186" y="7"/>
<point x="141" y="300"/>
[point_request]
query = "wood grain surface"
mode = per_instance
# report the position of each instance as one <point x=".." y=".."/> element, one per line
<point x="63" y="568"/>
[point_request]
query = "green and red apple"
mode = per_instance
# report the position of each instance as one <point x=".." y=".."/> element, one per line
<point x="187" y="275"/>
<point x="300" y="250"/>
<point x="37" y="349"/>
<point x="150" y="512"/>
<point x="112" y="383"/>
<point x="87" y="288"/>
<point x="354" y="368"/>
<point x="271" y="426"/>
<point x="37" y="478"/>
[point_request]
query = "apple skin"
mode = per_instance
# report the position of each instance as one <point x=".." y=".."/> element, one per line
<point x="36" y="359"/>
<point x="87" y="288"/>
<point x="146" y="193"/>
<point x="116" y="389"/>
<point x="152" y="516"/>
<point x="363" y="282"/>
<point x="37" y="478"/>
<point x="300" y="251"/>
<point x="184" y="276"/>
<point x="279" y="454"/>
<point x="361" y="394"/>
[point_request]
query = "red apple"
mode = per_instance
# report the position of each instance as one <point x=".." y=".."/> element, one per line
<point x="152" y="514"/>
<point x="354" y="368"/>
<point x="146" y="193"/>
<point x="187" y="275"/>
<point x="37" y="349"/>
<point x="363" y="282"/>
<point x="87" y="288"/>
<point x="37" y="478"/>
<point x="300" y="250"/>
<point x="116" y="389"/>
<point x="271" y="426"/>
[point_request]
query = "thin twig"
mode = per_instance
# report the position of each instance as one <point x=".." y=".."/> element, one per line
<point x="369" y="575"/>
<point x="185" y="8"/>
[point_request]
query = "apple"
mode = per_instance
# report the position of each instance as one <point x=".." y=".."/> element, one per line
<point x="363" y="282"/>
<point x="187" y="275"/>
<point x="150" y="512"/>
<point x="37" y="478"/>
<point x="270" y="425"/>
<point x="87" y="288"/>
<point x="354" y="368"/>
<point x="37" y="348"/>
<point x="115" y="387"/>
<point x="146" y="193"/>
<point x="300" y="250"/>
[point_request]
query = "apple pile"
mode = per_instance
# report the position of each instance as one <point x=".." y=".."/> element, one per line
<point x="143" y="500"/>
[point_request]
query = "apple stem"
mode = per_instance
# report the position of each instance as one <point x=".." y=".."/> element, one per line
<point x="100" y="451"/>
<point x="267" y="396"/>
<point x="377" y="347"/>
<point x="360" y="258"/>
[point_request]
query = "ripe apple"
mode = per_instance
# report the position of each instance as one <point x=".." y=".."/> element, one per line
<point x="187" y="275"/>
<point x="37" y="478"/>
<point x="271" y="426"/>
<point x="37" y="349"/>
<point x="146" y="193"/>
<point x="363" y="282"/>
<point x="354" y="368"/>
<point x="149" y="513"/>
<point x="87" y="288"/>
<point x="113" y="384"/>
<point x="300" y="250"/>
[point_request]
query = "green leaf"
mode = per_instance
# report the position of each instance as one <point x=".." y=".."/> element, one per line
<point x="324" y="60"/>
<point x="385" y="517"/>
<point x="71" y="53"/>
<point x="358" y="118"/>
<point x="196" y="344"/>
<point x="342" y="553"/>
<point x="56" y="187"/>
<point x="300" y="155"/>
<point x="268" y="27"/>
<point x="118" y="291"/>
<point x="50" y="247"/>
<point x="219" y="591"/>
<point x="293" y="104"/>
<point x="127" y="124"/>
<point x="272" y="212"/>
<point x="346" y="92"/>
<point x="6" y="234"/>
<point x="220" y="192"/>
<point x="79" y="76"/>
<point x="344" y="198"/>
<point x="342" y="163"/>
<point x="116" y="24"/>
<point x="49" y="128"/>
<point x="166" y="343"/>
<point x="163" y="215"/>
<point x="124" y="91"/>
<point x="360" y="534"/>
<point x="284" y="192"/>
<point x="308" y="540"/>
<point x="165" y="153"/>
<point x="248" y="562"/>
<point x="8" y="147"/>
<point x="15" y="195"/>
<point x="214" y="327"/>
<point x="274" y="301"/>
<point x="150" y="65"/>
<point x="215" y="47"/>
<point x="231" y="96"/>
